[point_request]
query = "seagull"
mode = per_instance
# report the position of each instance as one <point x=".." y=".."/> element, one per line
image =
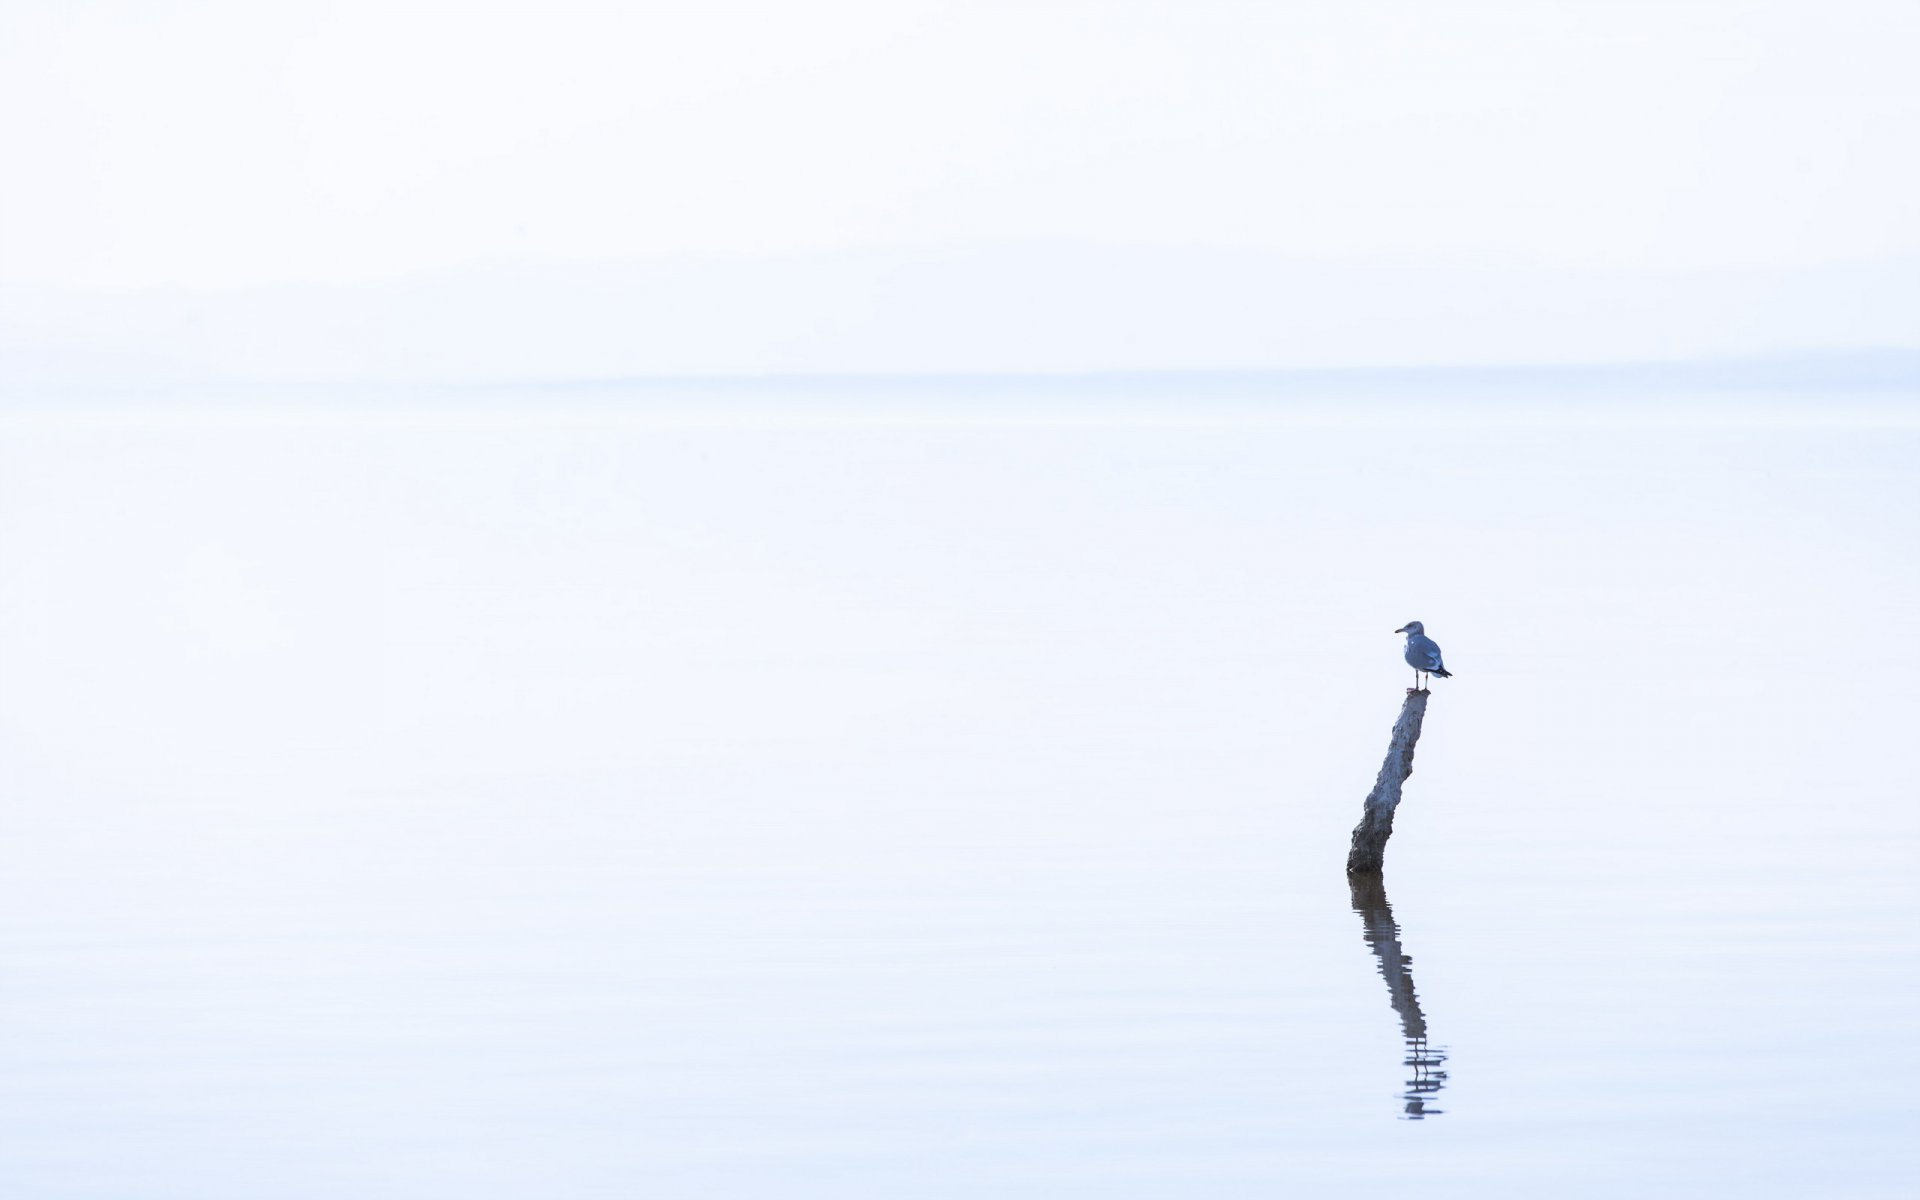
<point x="1423" y="653"/>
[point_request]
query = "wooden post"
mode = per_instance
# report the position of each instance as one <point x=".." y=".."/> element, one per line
<point x="1376" y="821"/>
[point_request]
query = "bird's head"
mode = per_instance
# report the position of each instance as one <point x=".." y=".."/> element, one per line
<point x="1412" y="627"/>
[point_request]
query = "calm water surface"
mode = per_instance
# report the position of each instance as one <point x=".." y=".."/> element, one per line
<point x="561" y="798"/>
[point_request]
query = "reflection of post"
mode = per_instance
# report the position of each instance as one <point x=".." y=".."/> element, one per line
<point x="1376" y="821"/>
<point x="1383" y="938"/>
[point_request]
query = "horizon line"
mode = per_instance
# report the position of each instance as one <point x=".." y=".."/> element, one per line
<point x="1860" y="368"/>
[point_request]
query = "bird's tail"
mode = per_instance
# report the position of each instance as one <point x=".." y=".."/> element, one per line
<point x="1442" y="672"/>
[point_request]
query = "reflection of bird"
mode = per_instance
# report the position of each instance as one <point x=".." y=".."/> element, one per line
<point x="1423" y="653"/>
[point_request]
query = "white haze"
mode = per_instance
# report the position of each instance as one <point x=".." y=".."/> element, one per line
<point x="413" y="190"/>
<point x="864" y="787"/>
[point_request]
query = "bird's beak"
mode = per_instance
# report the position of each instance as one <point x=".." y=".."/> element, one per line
<point x="1402" y="629"/>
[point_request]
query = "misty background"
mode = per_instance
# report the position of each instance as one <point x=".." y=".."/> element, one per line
<point x="794" y="600"/>
<point x="415" y="191"/>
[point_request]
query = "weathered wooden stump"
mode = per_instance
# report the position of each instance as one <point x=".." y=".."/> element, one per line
<point x="1376" y="821"/>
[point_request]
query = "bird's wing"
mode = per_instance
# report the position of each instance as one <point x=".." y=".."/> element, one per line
<point x="1424" y="651"/>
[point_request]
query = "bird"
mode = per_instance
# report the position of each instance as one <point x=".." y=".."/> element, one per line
<point x="1423" y="654"/>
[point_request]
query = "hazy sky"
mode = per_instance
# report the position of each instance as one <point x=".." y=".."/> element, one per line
<point x="159" y="145"/>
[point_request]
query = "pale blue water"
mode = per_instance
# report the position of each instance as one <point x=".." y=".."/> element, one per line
<point x="567" y="797"/>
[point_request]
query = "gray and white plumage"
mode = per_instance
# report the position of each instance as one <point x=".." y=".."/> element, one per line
<point x="1423" y="653"/>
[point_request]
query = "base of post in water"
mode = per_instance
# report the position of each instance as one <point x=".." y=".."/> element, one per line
<point x="1368" y="852"/>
